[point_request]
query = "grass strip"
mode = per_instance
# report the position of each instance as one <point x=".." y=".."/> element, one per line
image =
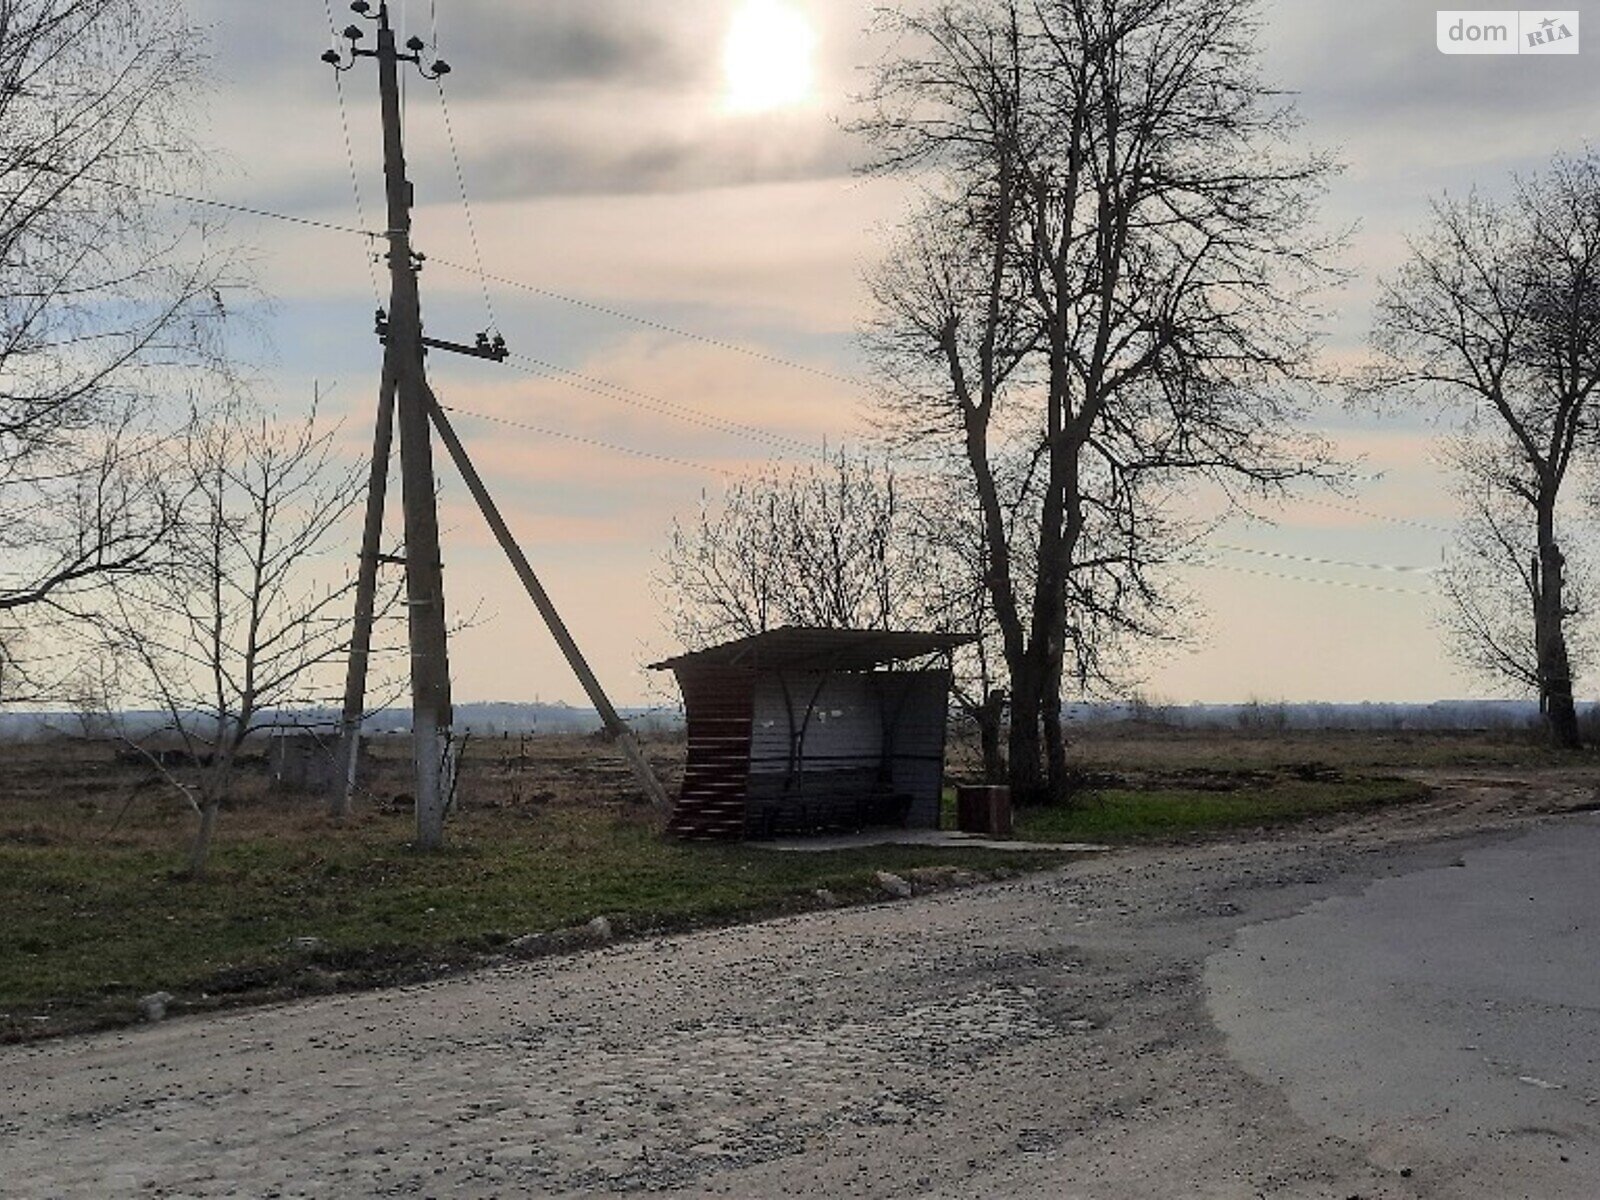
<point x="91" y="927"/>
<point x="1125" y="815"/>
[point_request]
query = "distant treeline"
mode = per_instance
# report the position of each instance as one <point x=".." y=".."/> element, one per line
<point x="1268" y="715"/>
<point x="479" y="720"/>
<point x="511" y="719"/>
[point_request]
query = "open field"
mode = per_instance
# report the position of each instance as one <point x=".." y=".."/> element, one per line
<point x="1082" y="1032"/>
<point x="547" y="838"/>
<point x="1139" y="750"/>
<point x="1140" y="781"/>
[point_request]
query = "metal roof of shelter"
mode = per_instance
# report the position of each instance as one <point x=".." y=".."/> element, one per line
<point x="795" y="647"/>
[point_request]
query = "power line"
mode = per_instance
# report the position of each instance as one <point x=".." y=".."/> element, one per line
<point x="483" y="275"/>
<point x="650" y="403"/>
<point x="461" y="175"/>
<point x="616" y="391"/>
<point x="1340" y="583"/>
<point x="1372" y="516"/>
<point x="565" y="375"/>
<point x="1325" y="562"/>
<point x="650" y="323"/>
<point x="350" y="157"/>
<point x="239" y="208"/>
<point x="201" y="200"/>
<point x="682" y="411"/>
<point x="466" y="204"/>
<point x="587" y="441"/>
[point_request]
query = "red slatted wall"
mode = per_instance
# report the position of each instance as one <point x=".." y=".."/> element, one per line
<point x="717" y="708"/>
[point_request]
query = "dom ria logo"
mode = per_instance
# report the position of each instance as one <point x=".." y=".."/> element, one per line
<point x="1507" y="31"/>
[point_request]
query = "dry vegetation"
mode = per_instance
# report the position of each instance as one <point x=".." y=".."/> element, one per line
<point x="548" y="834"/>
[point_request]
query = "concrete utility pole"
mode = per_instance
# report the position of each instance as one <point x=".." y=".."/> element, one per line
<point x="403" y="397"/>
<point x="355" y="683"/>
<point x="405" y="390"/>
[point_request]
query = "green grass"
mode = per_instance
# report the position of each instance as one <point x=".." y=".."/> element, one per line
<point x="93" y="924"/>
<point x="1123" y="815"/>
<point x="95" y="916"/>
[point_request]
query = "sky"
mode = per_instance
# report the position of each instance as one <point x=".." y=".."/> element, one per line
<point x="666" y="195"/>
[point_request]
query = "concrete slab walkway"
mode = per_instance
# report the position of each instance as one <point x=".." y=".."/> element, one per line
<point x="919" y="837"/>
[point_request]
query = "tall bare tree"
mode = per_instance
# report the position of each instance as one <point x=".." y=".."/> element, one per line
<point x="1490" y="578"/>
<point x="950" y="595"/>
<point x="244" y="619"/>
<point x="1497" y="315"/>
<point x="107" y="301"/>
<point x="1106" y="293"/>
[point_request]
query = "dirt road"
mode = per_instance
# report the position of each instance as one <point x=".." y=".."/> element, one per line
<point x="1047" y="1037"/>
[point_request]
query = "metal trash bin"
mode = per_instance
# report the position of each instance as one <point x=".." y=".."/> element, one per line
<point x="984" y="809"/>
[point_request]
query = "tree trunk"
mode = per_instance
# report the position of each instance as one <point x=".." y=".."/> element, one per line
<point x="991" y="719"/>
<point x="1058" y="783"/>
<point x="200" y="848"/>
<point x="218" y="786"/>
<point x="1039" y="703"/>
<point x="1025" y="760"/>
<point x="1555" y="669"/>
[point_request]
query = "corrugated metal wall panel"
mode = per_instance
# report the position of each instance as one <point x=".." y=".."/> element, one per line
<point x="843" y="728"/>
<point x="872" y="751"/>
<point x="916" y="758"/>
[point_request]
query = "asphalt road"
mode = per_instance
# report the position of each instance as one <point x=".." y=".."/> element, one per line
<point x="1261" y="1018"/>
<point x="1446" y="1021"/>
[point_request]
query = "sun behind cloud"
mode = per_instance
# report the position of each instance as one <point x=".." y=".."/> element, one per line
<point x="767" y="57"/>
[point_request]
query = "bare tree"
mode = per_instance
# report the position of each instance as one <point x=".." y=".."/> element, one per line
<point x="244" y="620"/>
<point x="949" y="594"/>
<point x="107" y="302"/>
<point x="1490" y="579"/>
<point x="849" y="544"/>
<point x="1497" y="315"/>
<point x="1106" y="293"/>
<point x="823" y="545"/>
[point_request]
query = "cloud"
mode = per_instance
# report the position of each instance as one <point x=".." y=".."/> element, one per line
<point x="602" y="166"/>
<point x="704" y="418"/>
<point x="528" y="48"/>
<point x="1368" y="75"/>
<point x="778" y="255"/>
<point x="1277" y="638"/>
<point x="556" y="150"/>
<point x="571" y="97"/>
<point x="495" y="46"/>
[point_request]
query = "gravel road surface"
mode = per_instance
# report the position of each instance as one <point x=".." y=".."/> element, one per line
<point x="1124" y="1028"/>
